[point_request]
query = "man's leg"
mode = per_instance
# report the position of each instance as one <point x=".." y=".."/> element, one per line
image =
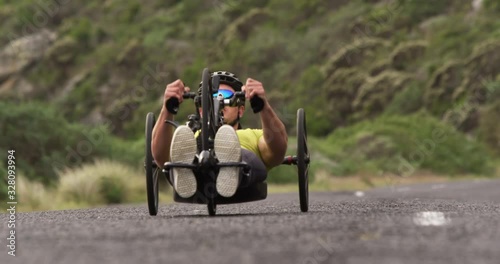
<point x="227" y="148"/>
<point x="258" y="172"/>
<point x="183" y="150"/>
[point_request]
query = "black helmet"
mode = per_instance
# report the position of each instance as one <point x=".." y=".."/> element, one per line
<point x="226" y="78"/>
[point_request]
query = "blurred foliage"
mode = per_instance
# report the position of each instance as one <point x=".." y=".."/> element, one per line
<point x="407" y="101"/>
<point x="102" y="181"/>
<point x="404" y="144"/>
<point x="489" y="127"/>
<point x="415" y="11"/>
<point x="3" y="182"/>
<point x="492" y="5"/>
<point x="112" y="189"/>
<point x="45" y="141"/>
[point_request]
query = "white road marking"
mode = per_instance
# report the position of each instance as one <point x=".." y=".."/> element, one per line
<point x="359" y="194"/>
<point x="403" y="189"/>
<point x="431" y="219"/>
<point x="438" y="186"/>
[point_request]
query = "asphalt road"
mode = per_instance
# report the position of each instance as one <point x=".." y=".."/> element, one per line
<point x="431" y="223"/>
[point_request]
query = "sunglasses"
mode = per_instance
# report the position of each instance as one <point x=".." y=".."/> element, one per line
<point x="227" y="94"/>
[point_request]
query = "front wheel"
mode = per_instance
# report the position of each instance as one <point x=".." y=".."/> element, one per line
<point x="207" y="111"/>
<point x="212" y="207"/>
<point x="208" y="129"/>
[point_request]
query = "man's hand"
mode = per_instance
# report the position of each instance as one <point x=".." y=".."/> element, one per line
<point x="273" y="144"/>
<point x="254" y="88"/>
<point x="175" y="90"/>
<point x="162" y="133"/>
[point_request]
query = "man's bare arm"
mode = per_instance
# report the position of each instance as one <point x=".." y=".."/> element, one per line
<point x="162" y="137"/>
<point x="274" y="143"/>
<point x="162" y="132"/>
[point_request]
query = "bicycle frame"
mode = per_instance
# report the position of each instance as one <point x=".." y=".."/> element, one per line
<point x="206" y="165"/>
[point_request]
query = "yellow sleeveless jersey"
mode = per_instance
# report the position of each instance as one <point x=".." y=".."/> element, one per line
<point x="249" y="139"/>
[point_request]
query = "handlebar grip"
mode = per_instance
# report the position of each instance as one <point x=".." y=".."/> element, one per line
<point x="172" y="105"/>
<point x="189" y="95"/>
<point x="257" y="104"/>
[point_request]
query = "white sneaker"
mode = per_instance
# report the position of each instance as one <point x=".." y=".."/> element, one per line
<point x="227" y="148"/>
<point x="183" y="150"/>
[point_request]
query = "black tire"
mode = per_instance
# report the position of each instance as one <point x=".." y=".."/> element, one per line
<point x="207" y="130"/>
<point x="206" y="109"/>
<point x="302" y="160"/>
<point x="151" y="173"/>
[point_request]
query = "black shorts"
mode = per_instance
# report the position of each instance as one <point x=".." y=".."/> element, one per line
<point x="258" y="172"/>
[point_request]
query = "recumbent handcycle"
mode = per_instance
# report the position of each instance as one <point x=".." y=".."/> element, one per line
<point x="206" y="164"/>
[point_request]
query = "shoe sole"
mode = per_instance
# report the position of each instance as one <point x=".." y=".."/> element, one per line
<point x="183" y="150"/>
<point x="227" y="148"/>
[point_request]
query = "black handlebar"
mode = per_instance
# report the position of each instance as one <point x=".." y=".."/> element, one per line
<point x="172" y="104"/>
<point x="256" y="102"/>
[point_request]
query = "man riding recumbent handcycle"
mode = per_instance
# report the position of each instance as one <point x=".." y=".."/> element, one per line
<point x="212" y="160"/>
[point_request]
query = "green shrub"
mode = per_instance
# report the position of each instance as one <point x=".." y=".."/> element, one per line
<point x="46" y="77"/>
<point x="489" y="127"/>
<point x="46" y="141"/>
<point x="408" y="101"/>
<point x="131" y="12"/>
<point x="33" y="195"/>
<point x="284" y="174"/>
<point x="339" y="91"/>
<point x="242" y="27"/>
<point x="377" y="92"/>
<point x="82" y="98"/>
<point x="354" y="54"/>
<point x="39" y="134"/>
<point x="407" y="53"/>
<point x="156" y="38"/>
<point x="82" y="31"/>
<point x="313" y="104"/>
<point x="493" y="90"/>
<point x="441" y="87"/>
<point x="414" y="11"/>
<point x="63" y="51"/>
<point x="3" y="183"/>
<point x="379" y="21"/>
<point x="25" y="14"/>
<point x="491" y="6"/>
<point x="452" y="36"/>
<point x="100" y="183"/>
<point x="112" y="189"/>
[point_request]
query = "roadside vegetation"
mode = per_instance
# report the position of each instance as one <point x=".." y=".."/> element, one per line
<point x="399" y="87"/>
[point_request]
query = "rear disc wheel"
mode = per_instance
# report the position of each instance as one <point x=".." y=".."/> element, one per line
<point x="302" y="160"/>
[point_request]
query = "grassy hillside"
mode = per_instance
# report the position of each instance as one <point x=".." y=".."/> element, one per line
<point x="376" y="77"/>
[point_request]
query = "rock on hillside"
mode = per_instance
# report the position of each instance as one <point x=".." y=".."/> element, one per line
<point x="22" y="52"/>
